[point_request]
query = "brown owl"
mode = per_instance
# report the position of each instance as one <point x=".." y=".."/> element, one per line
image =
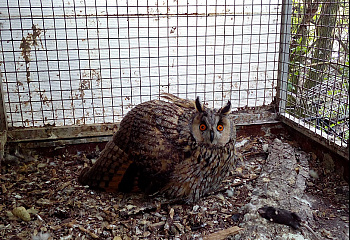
<point x="179" y="148"/>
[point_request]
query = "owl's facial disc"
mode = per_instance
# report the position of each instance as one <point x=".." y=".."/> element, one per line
<point x="211" y="126"/>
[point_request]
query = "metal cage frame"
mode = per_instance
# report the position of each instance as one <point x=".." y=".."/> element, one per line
<point x="102" y="131"/>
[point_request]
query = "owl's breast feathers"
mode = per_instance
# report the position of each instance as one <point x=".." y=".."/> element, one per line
<point x="201" y="171"/>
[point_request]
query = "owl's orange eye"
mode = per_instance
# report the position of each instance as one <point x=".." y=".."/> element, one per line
<point x="220" y="127"/>
<point x="202" y="127"/>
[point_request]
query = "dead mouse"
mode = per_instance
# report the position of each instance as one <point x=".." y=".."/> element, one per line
<point x="281" y="216"/>
<point x="285" y="217"/>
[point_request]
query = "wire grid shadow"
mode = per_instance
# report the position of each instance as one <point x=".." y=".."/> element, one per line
<point x="316" y="89"/>
<point x="87" y="62"/>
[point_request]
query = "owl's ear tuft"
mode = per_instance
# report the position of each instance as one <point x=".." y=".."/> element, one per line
<point x="199" y="105"/>
<point x="226" y="109"/>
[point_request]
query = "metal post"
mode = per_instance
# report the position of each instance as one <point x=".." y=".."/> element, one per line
<point x="3" y="122"/>
<point x="283" y="65"/>
<point x="3" y="119"/>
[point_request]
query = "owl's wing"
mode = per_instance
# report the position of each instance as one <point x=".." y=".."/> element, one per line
<point x="114" y="164"/>
<point x="108" y="171"/>
<point x="186" y="103"/>
<point x="142" y="152"/>
<point x="154" y="142"/>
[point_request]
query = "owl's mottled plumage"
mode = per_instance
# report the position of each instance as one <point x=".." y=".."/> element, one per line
<point x="179" y="148"/>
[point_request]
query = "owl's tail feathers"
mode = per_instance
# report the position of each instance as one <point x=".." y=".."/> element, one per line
<point x="178" y="101"/>
<point x="113" y="171"/>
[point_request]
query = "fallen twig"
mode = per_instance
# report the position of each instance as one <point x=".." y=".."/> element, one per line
<point x="223" y="233"/>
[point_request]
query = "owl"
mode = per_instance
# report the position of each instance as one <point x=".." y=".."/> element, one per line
<point x="178" y="148"/>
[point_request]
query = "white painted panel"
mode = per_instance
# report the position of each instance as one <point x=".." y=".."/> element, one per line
<point x="94" y="60"/>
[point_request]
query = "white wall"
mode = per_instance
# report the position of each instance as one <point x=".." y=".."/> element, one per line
<point x="92" y="64"/>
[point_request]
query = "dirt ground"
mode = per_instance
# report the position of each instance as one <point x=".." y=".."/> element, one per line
<point x="55" y="206"/>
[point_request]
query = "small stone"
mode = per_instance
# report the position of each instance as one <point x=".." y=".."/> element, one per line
<point x="21" y="213"/>
<point x="309" y="184"/>
<point x="265" y="179"/>
<point x="195" y="208"/>
<point x="129" y="206"/>
<point x="313" y="174"/>
<point x="229" y="193"/>
<point x="41" y="236"/>
<point x="265" y="147"/>
<point x="42" y="165"/>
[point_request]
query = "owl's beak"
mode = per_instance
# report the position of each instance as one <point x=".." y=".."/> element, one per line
<point x="211" y="135"/>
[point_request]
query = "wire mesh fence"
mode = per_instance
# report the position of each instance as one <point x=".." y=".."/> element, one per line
<point x="86" y="62"/>
<point x="67" y="63"/>
<point x="317" y="88"/>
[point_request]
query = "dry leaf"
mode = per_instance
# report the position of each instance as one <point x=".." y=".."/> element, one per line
<point x="64" y="185"/>
<point x="32" y="211"/>
<point x="93" y="235"/>
<point x="4" y="190"/>
<point x="220" y="196"/>
<point x="10" y="215"/>
<point x="55" y="228"/>
<point x="171" y="213"/>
